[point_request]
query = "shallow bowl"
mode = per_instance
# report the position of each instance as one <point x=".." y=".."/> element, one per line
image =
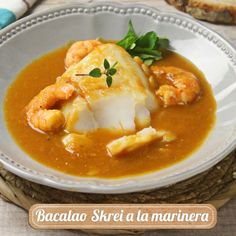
<point x="37" y="34"/>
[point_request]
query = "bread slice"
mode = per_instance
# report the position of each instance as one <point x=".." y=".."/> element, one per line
<point x="219" y="11"/>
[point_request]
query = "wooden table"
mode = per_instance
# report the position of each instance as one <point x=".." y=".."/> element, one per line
<point x="14" y="221"/>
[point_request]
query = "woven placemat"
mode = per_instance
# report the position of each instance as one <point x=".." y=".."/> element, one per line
<point x="215" y="186"/>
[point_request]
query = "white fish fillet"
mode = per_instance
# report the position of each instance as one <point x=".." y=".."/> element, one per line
<point x="123" y="107"/>
<point x="134" y="141"/>
<point x="78" y="110"/>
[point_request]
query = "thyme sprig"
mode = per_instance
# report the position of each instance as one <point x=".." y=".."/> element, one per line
<point x="108" y="71"/>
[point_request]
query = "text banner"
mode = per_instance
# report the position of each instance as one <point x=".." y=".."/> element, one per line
<point x="123" y="216"/>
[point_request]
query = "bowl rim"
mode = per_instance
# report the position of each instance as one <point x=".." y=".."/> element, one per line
<point x="53" y="181"/>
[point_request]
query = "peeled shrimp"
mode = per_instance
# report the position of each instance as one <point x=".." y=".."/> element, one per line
<point x="38" y="110"/>
<point x="79" y="50"/>
<point x="182" y="86"/>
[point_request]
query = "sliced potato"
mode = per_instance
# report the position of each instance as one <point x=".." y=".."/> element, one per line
<point x="74" y="143"/>
<point x="132" y="142"/>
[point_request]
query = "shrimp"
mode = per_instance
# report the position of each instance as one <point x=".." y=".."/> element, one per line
<point x="38" y="111"/>
<point x="79" y="50"/>
<point x="182" y="86"/>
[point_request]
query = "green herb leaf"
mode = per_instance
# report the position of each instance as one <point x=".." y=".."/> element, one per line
<point x="106" y="64"/>
<point x="148" y="40"/>
<point x="111" y="71"/>
<point x="145" y="46"/>
<point x="131" y="30"/>
<point x="148" y="62"/>
<point x="146" y="51"/>
<point x="95" y="73"/>
<point x="163" y="43"/>
<point x="109" y="81"/>
<point x="127" y="42"/>
<point x="133" y="46"/>
<point x="130" y="38"/>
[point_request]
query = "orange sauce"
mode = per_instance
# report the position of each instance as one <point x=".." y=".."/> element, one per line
<point x="191" y="124"/>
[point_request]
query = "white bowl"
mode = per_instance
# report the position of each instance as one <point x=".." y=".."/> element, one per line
<point x="37" y="34"/>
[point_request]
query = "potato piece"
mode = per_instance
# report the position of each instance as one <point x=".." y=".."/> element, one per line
<point x="132" y="142"/>
<point x="75" y="142"/>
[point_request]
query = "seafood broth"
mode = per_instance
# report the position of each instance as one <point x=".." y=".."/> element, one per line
<point x="190" y="123"/>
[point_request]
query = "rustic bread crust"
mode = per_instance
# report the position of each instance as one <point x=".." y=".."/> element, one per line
<point x="209" y="10"/>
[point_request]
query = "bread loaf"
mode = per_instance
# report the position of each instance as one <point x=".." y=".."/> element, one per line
<point x="219" y="11"/>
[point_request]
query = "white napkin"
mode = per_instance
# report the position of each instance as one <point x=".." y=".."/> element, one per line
<point x="11" y="10"/>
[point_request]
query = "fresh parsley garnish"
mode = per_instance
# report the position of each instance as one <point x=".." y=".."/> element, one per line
<point x="108" y="72"/>
<point x="146" y="46"/>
